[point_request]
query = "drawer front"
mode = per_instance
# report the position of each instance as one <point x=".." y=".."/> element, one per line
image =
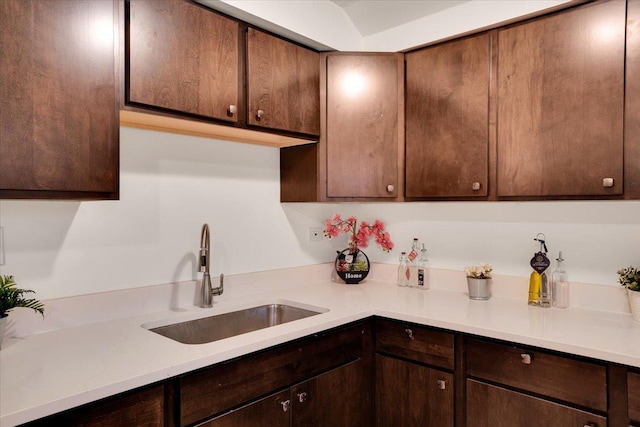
<point x="491" y="406"/>
<point x="415" y="342"/>
<point x="213" y="390"/>
<point x="575" y="381"/>
<point x="633" y="387"/>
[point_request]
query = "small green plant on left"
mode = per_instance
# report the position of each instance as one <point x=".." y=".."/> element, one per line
<point x="11" y="297"/>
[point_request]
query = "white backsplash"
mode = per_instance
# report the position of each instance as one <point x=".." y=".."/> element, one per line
<point x="172" y="184"/>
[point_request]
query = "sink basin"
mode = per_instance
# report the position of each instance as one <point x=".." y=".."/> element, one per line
<point x="226" y="325"/>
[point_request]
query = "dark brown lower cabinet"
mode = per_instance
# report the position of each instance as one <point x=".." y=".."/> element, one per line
<point x="408" y="394"/>
<point x="340" y="397"/>
<point x="633" y="390"/>
<point x="491" y="406"/>
<point x="141" y="408"/>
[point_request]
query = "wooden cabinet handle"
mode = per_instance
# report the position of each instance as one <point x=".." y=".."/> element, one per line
<point x="285" y="405"/>
<point x="259" y="115"/>
<point x="526" y="358"/>
<point x="607" y="182"/>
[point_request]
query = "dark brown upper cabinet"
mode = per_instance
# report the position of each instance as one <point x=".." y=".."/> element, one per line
<point x="184" y="58"/>
<point x="560" y="104"/>
<point x="447" y="119"/>
<point x="364" y="92"/>
<point x="632" y="104"/>
<point x="283" y="84"/>
<point x="360" y="153"/>
<point x="58" y="114"/>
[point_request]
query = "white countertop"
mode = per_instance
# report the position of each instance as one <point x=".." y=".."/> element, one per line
<point x="49" y="372"/>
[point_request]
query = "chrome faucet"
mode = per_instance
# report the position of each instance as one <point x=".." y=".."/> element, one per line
<point x="207" y="290"/>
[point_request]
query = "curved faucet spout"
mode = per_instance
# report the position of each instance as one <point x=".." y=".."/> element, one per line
<point x="207" y="291"/>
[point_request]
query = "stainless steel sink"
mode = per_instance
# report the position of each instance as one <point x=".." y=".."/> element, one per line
<point x="220" y="326"/>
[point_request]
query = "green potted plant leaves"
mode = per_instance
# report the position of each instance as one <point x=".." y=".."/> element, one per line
<point x="630" y="279"/>
<point x="11" y="297"/>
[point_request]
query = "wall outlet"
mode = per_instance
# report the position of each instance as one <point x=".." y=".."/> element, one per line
<point x="315" y="234"/>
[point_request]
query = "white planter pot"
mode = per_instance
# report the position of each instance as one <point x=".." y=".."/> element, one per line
<point x="3" y="326"/>
<point x="479" y="289"/>
<point x="634" y="304"/>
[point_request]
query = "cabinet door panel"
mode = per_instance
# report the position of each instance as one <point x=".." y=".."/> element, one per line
<point x="271" y="411"/>
<point x="341" y="397"/>
<point x="632" y="104"/>
<point x="283" y="81"/>
<point x="59" y="129"/>
<point x="408" y="394"/>
<point x="447" y="138"/>
<point x="182" y="57"/>
<point x="490" y="406"/>
<point x="560" y="103"/>
<point x="362" y="125"/>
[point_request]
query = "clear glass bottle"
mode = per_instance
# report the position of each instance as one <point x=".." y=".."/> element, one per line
<point x="560" y="285"/>
<point x="412" y="257"/>
<point x="403" y="270"/>
<point x="423" y="272"/>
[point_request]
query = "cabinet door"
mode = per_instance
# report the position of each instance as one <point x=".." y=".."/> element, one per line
<point x="142" y="408"/>
<point x="490" y="406"/>
<point x="408" y="394"/>
<point x="341" y="397"/>
<point x="447" y="119"/>
<point x="271" y="411"/>
<point x="58" y="123"/>
<point x="182" y="57"/>
<point x="363" y="95"/>
<point x="560" y="103"/>
<point x="283" y="84"/>
<point x="632" y="104"/>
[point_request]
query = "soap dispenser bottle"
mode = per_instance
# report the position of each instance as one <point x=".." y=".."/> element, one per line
<point x="538" y="280"/>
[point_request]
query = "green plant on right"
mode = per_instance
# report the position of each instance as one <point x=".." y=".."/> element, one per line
<point x="12" y="297"/>
<point x="630" y="278"/>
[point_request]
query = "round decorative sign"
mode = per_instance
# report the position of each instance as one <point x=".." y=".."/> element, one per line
<point x="352" y="267"/>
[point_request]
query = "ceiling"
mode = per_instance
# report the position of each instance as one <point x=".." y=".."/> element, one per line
<point x="374" y="16"/>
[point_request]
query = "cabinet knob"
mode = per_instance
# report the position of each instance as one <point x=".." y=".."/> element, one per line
<point x="442" y="384"/>
<point x="475" y="186"/>
<point x="285" y="405"/>
<point x="231" y="110"/>
<point x="302" y="397"/>
<point x="607" y="182"/>
<point x="259" y="115"/>
<point x="390" y="188"/>
<point x="526" y="358"/>
<point x="409" y="333"/>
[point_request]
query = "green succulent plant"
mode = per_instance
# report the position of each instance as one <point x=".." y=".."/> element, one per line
<point x="12" y="297"/>
<point x="630" y="278"/>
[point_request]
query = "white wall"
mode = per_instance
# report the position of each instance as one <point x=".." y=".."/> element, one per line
<point x="171" y="185"/>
